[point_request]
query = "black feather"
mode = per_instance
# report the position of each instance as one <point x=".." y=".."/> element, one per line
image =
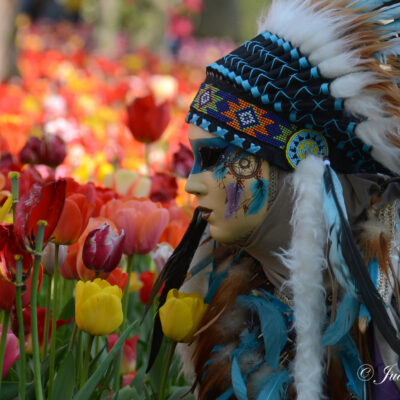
<point x="173" y="276"/>
<point x="366" y="289"/>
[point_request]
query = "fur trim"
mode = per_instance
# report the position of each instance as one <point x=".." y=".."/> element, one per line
<point x="306" y="262"/>
<point x="351" y="85"/>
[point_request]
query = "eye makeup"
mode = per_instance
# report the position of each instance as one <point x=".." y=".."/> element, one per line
<point x="207" y="153"/>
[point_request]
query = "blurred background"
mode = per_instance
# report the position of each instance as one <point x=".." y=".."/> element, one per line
<point x="72" y="68"/>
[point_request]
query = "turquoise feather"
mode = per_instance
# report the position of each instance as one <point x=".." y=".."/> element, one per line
<point x="273" y="326"/>
<point x="259" y="190"/>
<point x="274" y="386"/>
<point x="239" y="387"/>
<point x="346" y="315"/>
<point x="351" y="363"/>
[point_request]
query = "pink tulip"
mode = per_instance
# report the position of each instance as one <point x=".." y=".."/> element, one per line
<point x="128" y="363"/>
<point x="12" y="351"/>
<point x="102" y="250"/>
<point x="142" y="220"/>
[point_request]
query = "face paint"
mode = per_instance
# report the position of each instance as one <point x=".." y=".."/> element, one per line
<point x="231" y="186"/>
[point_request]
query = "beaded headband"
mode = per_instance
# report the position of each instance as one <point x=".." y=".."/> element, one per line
<point x="278" y="99"/>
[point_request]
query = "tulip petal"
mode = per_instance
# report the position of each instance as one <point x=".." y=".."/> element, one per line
<point x="151" y="230"/>
<point x="100" y="314"/>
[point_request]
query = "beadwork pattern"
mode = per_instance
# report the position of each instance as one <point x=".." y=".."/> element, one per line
<point x="243" y="116"/>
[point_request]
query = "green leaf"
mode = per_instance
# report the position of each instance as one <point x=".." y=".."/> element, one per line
<point x="178" y="393"/>
<point x="94" y="380"/>
<point x="65" y="379"/>
<point x="127" y="393"/>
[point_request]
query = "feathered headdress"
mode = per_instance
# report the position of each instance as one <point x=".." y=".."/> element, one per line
<point x="321" y="78"/>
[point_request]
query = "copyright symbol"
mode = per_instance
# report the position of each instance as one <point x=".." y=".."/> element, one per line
<point x="365" y="372"/>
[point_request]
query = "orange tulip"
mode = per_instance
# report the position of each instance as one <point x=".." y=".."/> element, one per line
<point x="78" y="208"/>
<point x="142" y="220"/>
<point x="179" y="221"/>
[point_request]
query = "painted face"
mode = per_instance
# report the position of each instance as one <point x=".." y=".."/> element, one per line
<point x="231" y="186"/>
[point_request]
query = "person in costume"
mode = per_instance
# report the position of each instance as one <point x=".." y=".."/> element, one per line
<point x="295" y="244"/>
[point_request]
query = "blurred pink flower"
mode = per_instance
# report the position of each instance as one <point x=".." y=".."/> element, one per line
<point x="161" y="254"/>
<point x="12" y="351"/>
<point x="142" y="220"/>
<point x="128" y="363"/>
<point x="194" y="6"/>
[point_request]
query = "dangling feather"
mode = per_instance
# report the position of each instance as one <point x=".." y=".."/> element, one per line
<point x="347" y="262"/>
<point x="274" y="387"/>
<point x="173" y="275"/>
<point x="234" y="193"/>
<point x="273" y="327"/>
<point x="239" y="387"/>
<point x="346" y="315"/>
<point x="351" y="363"/>
<point x="259" y="190"/>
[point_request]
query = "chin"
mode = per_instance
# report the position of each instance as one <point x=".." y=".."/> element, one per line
<point x="227" y="236"/>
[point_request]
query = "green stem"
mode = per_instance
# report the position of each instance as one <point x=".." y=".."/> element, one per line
<point x="71" y="343"/>
<point x="47" y="318"/>
<point x="79" y="355"/>
<point x="6" y="321"/>
<point x="125" y="304"/>
<point x="21" y="333"/>
<point x="14" y="175"/>
<point x="86" y="360"/>
<point x="54" y="322"/>
<point x="34" y="326"/>
<point x="167" y="364"/>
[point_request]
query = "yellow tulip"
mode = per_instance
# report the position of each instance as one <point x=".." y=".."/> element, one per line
<point x="98" y="308"/>
<point x="181" y="315"/>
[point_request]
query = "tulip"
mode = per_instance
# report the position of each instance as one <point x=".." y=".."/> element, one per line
<point x="164" y="187"/>
<point x="118" y="277"/>
<point x="48" y="256"/>
<point x="9" y="248"/>
<point x="41" y="203"/>
<point x="128" y="378"/>
<point x="134" y="283"/>
<point x="142" y="220"/>
<point x="11" y="352"/>
<point x="147" y="120"/>
<point x="181" y="315"/>
<point x="73" y="219"/>
<point x="102" y="250"/>
<point x="147" y="278"/>
<point x="50" y="150"/>
<point x="128" y="354"/>
<point x="161" y="254"/>
<point x="179" y="221"/>
<point x="8" y="292"/>
<point x="182" y="161"/>
<point x="128" y="183"/>
<point x="98" y="308"/>
<point x="68" y="270"/>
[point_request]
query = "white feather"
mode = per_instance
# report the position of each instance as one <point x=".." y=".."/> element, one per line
<point x="306" y="262"/>
<point x="366" y="105"/>
<point x="339" y="65"/>
<point x="352" y="84"/>
<point x="378" y="134"/>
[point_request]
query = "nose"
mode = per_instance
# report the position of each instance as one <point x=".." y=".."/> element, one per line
<point x="196" y="185"/>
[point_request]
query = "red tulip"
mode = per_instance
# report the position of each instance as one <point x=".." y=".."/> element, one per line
<point x="50" y="150"/>
<point x="164" y="187"/>
<point x="41" y="317"/>
<point x="102" y="250"/>
<point x="11" y="354"/>
<point x="147" y="278"/>
<point x="118" y="277"/>
<point x="8" y="292"/>
<point x="147" y="120"/>
<point x="10" y="247"/>
<point x="41" y="203"/>
<point x="142" y="220"/>
<point x="182" y="161"/>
